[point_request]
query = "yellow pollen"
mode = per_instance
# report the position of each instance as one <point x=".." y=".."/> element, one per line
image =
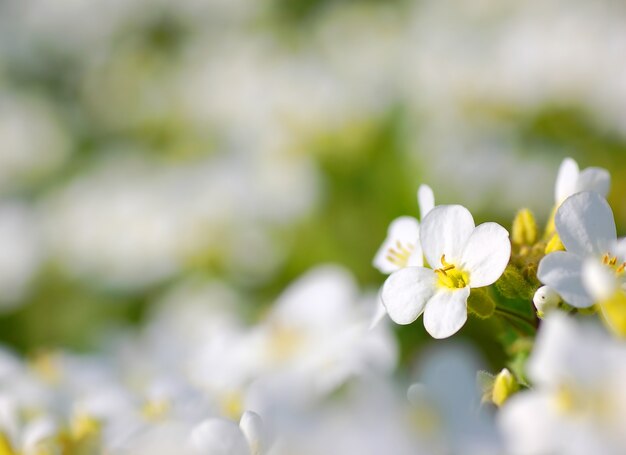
<point x="451" y="277"/>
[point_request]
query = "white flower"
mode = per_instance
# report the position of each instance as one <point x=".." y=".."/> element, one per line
<point x="446" y="403"/>
<point x="223" y="437"/>
<point x="571" y="181"/>
<point x="462" y="255"/>
<point x="402" y="247"/>
<point x="578" y="402"/>
<point x="586" y="227"/>
<point x="318" y="330"/>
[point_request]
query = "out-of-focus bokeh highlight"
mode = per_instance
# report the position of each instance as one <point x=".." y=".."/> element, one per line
<point x="238" y="143"/>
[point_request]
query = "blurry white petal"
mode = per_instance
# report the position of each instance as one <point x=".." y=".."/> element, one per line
<point x="404" y="230"/>
<point x="594" y="179"/>
<point x="585" y="224"/>
<point x="378" y="315"/>
<point x="36" y="432"/>
<point x="486" y="254"/>
<point x="406" y="292"/>
<point x="529" y="425"/>
<point x="446" y="312"/>
<point x="566" y="180"/>
<point x="425" y="200"/>
<point x="619" y="249"/>
<point x="599" y="280"/>
<point x="219" y="437"/>
<point x="417" y="394"/>
<point x="562" y="271"/>
<point x="255" y="432"/>
<point x="445" y="230"/>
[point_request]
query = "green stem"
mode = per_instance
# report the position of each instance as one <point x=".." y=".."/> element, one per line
<point x="516" y="317"/>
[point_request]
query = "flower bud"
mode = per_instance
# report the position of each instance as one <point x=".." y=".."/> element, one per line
<point x="545" y="299"/>
<point x="524" y="230"/>
<point x="554" y="244"/>
<point x="504" y="386"/>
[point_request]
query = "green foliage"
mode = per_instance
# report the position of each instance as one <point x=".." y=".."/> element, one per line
<point x="513" y="285"/>
<point x="481" y="304"/>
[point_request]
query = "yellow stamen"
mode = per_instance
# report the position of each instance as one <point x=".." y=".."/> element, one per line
<point x="400" y="254"/>
<point x="451" y="277"/>
<point x="611" y="261"/>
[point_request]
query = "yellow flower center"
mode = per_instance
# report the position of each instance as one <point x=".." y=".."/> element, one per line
<point x="400" y="254"/>
<point x="611" y="261"/>
<point x="155" y="409"/>
<point x="449" y="276"/>
<point x="575" y="402"/>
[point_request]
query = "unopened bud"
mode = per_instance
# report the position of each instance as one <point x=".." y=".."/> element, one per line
<point x="554" y="244"/>
<point x="524" y="230"/>
<point x="545" y="299"/>
<point x="504" y="386"/>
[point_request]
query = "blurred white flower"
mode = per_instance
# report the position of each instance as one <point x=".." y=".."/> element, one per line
<point x="577" y="403"/>
<point x="571" y="180"/>
<point x="318" y="329"/>
<point x="21" y="252"/>
<point x="223" y="437"/>
<point x="130" y="222"/>
<point x="33" y="143"/>
<point x="462" y="255"/>
<point x="446" y="403"/>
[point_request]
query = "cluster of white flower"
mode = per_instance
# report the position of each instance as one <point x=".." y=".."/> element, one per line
<point x="573" y="402"/>
<point x="181" y="385"/>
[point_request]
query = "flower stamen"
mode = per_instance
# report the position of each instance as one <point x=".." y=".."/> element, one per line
<point x="611" y="261"/>
<point x="400" y="254"/>
<point x="456" y="279"/>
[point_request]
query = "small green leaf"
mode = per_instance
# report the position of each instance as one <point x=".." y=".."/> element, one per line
<point x="481" y="304"/>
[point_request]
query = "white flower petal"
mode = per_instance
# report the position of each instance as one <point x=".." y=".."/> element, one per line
<point x="528" y="422"/>
<point x="255" y="432"/>
<point x="425" y="200"/>
<point x="594" y="179"/>
<point x="219" y="437"/>
<point x="566" y="180"/>
<point x="446" y="312"/>
<point x="585" y="224"/>
<point x="486" y="254"/>
<point x="405" y="230"/>
<point x="406" y="292"/>
<point x="598" y="279"/>
<point x="379" y="315"/>
<point x="445" y="230"/>
<point x="562" y="271"/>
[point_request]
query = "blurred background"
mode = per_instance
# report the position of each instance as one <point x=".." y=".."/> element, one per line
<point x="144" y="144"/>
